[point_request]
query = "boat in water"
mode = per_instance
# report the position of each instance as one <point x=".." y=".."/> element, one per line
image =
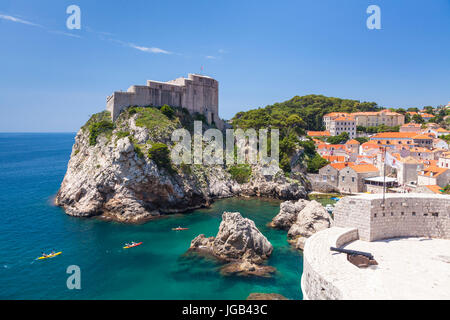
<point x="179" y="229"/>
<point x="132" y="245"/>
<point x="329" y="208"/>
<point x="51" y="255"/>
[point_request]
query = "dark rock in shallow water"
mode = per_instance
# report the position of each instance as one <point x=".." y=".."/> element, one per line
<point x="266" y="296"/>
<point x="246" y="268"/>
<point x="239" y="243"/>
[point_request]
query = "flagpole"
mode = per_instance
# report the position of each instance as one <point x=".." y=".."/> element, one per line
<point x="384" y="178"/>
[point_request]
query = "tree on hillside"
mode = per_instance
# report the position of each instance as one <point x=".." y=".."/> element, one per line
<point x="429" y="109"/>
<point x="340" y="139"/>
<point x="417" y="118"/>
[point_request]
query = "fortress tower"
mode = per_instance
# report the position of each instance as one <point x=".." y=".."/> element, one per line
<point x="197" y="93"/>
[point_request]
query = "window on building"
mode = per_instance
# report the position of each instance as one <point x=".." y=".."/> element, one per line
<point x="353" y="179"/>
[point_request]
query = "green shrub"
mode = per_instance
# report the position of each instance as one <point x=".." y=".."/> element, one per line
<point x="122" y="134"/>
<point x="138" y="151"/>
<point x="315" y="163"/>
<point x="240" y="173"/>
<point x="200" y="117"/>
<point x="167" y="111"/>
<point x="186" y="168"/>
<point x="160" y="154"/>
<point x="98" y="128"/>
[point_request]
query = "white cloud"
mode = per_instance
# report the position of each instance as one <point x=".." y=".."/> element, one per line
<point x="65" y="34"/>
<point x="211" y="57"/>
<point x="150" y="50"/>
<point x="18" y="20"/>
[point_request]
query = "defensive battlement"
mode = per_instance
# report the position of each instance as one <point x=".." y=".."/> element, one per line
<point x="196" y="93"/>
<point x="398" y="215"/>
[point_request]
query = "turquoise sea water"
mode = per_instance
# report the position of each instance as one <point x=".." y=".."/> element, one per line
<point x="32" y="167"/>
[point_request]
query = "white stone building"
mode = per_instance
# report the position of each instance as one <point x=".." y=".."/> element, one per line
<point x="197" y="93"/>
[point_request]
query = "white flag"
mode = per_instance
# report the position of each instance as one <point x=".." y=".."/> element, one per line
<point x="392" y="161"/>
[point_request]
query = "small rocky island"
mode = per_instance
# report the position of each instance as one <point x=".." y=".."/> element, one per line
<point x="240" y="244"/>
<point x="302" y="219"/>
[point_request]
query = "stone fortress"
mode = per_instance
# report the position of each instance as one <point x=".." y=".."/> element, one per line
<point x="408" y="235"/>
<point x="197" y="93"/>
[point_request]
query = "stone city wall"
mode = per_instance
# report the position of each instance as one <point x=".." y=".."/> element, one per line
<point x="403" y="215"/>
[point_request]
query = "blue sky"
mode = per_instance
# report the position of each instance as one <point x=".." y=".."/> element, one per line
<point x="261" y="52"/>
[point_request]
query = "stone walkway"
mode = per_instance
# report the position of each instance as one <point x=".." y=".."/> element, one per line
<point x="408" y="268"/>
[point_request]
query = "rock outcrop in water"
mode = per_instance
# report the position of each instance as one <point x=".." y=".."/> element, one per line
<point x="302" y="219"/>
<point x="239" y="243"/>
<point x="110" y="173"/>
<point x="266" y="296"/>
<point x="289" y="211"/>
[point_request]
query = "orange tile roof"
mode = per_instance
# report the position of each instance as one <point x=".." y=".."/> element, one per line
<point x="426" y="115"/>
<point x="361" y="168"/>
<point x="341" y="165"/>
<point x="433" y="169"/>
<point x="344" y="118"/>
<point x="422" y="136"/>
<point x="435" y="188"/>
<point x="410" y="124"/>
<point x="318" y="133"/>
<point x="442" y="130"/>
<point x="395" y="135"/>
<point x="353" y="141"/>
<point x="336" y="114"/>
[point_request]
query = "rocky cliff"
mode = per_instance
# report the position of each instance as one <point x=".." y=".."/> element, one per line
<point x="111" y="173"/>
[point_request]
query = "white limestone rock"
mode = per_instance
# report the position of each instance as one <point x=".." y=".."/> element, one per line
<point x="311" y="219"/>
<point x="287" y="216"/>
<point x="238" y="242"/>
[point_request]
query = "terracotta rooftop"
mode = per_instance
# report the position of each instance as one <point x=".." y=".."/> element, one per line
<point x="318" y="133"/>
<point x="353" y="141"/>
<point x="395" y="135"/>
<point x="433" y="171"/>
<point x="435" y="188"/>
<point x="344" y="118"/>
<point x="341" y="165"/>
<point x="361" y="168"/>
<point x="422" y="136"/>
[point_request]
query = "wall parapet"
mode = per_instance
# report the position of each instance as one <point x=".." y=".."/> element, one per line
<point x="400" y="215"/>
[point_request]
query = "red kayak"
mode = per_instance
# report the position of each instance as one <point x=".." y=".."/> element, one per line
<point x="179" y="229"/>
<point x="132" y="245"/>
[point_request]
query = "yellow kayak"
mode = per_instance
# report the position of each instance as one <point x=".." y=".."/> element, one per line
<point x="50" y="255"/>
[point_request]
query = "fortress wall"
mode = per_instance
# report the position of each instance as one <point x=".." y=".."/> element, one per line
<point x="196" y="94"/>
<point x="317" y="280"/>
<point x="415" y="215"/>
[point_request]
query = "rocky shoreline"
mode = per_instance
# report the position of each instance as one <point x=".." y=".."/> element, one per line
<point x="115" y="179"/>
